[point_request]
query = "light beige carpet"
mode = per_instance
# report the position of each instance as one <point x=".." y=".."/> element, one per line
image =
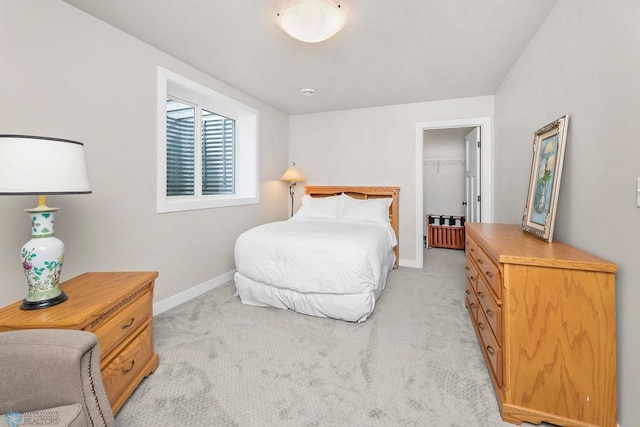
<point x="414" y="362"/>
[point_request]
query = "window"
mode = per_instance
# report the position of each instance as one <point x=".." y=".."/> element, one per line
<point x="214" y="144"/>
<point x="207" y="147"/>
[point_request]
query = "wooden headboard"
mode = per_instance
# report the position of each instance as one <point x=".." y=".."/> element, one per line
<point x="358" y="192"/>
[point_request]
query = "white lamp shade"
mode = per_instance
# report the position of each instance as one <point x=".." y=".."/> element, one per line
<point x="311" y="21"/>
<point x="40" y="166"/>
<point x="293" y="174"/>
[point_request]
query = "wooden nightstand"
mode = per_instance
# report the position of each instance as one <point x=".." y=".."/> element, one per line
<point x="117" y="307"/>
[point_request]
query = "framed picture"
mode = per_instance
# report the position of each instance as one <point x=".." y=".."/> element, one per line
<point x="544" y="183"/>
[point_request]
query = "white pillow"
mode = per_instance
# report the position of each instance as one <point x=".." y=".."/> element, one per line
<point x="319" y="207"/>
<point x="369" y="210"/>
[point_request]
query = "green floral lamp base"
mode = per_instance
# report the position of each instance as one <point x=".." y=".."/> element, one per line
<point x="42" y="258"/>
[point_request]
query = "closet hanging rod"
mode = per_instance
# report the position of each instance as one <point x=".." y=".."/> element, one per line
<point x="443" y="161"/>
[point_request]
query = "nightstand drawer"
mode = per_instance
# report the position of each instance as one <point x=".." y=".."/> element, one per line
<point x="128" y="365"/>
<point x="127" y="320"/>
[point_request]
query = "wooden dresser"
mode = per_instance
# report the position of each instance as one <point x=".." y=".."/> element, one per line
<point x="544" y="314"/>
<point x="117" y="307"/>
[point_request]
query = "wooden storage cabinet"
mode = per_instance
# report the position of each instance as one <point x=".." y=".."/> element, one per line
<point x="544" y="314"/>
<point x="117" y="308"/>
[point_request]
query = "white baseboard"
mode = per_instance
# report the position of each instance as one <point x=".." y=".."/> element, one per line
<point x="191" y="293"/>
<point x="409" y="263"/>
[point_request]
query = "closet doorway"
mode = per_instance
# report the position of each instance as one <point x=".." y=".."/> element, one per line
<point x="482" y="182"/>
<point x="450" y="184"/>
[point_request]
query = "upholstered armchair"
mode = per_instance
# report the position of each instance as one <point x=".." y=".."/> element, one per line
<point x="52" y="376"/>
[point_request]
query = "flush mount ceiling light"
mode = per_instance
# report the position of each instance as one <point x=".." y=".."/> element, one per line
<point x="311" y="21"/>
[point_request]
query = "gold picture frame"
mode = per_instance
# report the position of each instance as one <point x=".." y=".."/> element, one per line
<point x="544" y="183"/>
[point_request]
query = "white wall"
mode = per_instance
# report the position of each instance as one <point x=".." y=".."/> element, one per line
<point x="66" y="74"/>
<point x="584" y="61"/>
<point x="375" y="146"/>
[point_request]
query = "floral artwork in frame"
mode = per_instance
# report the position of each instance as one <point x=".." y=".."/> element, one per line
<point x="546" y="169"/>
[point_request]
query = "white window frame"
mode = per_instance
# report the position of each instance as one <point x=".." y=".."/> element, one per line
<point x="246" y="144"/>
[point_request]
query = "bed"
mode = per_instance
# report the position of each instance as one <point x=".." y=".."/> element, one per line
<point x="331" y="259"/>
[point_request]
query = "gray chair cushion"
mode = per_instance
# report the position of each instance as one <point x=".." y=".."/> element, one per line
<point x="52" y="368"/>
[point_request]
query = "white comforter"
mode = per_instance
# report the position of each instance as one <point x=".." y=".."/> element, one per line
<point x="314" y="257"/>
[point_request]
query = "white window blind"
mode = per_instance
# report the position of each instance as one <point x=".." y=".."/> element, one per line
<point x="216" y="145"/>
<point x="180" y="149"/>
<point x="218" y="141"/>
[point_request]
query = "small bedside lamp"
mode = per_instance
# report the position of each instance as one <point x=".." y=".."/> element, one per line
<point x="35" y="165"/>
<point x="293" y="175"/>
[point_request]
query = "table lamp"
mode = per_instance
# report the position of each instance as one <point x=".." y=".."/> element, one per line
<point x="36" y="165"/>
<point x="294" y="175"/>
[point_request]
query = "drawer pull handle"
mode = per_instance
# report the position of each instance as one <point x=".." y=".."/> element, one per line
<point x="488" y="274"/>
<point x="480" y="294"/>
<point x="124" y="371"/>
<point x="466" y="268"/>
<point x="467" y="292"/>
<point x="472" y="278"/>
<point x="490" y="350"/>
<point x="472" y="304"/>
<point x="481" y="325"/>
<point x="128" y="324"/>
<point x="490" y="313"/>
<point x="479" y="261"/>
<point x="471" y="249"/>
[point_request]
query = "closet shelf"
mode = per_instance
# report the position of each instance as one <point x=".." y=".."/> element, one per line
<point x="444" y="162"/>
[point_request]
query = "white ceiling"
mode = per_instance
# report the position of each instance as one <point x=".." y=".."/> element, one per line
<point x="390" y="51"/>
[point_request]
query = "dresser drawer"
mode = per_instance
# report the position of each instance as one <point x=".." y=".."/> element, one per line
<point x="491" y="347"/>
<point x="471" y="248"/>
<point x="472" y="273"/>
<point x="489" y="271"/>
<point x="472" y="301"/>
<point x="123" y="323"/>
<point x="491" y="309"/>
<point x="127" y="366"/>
